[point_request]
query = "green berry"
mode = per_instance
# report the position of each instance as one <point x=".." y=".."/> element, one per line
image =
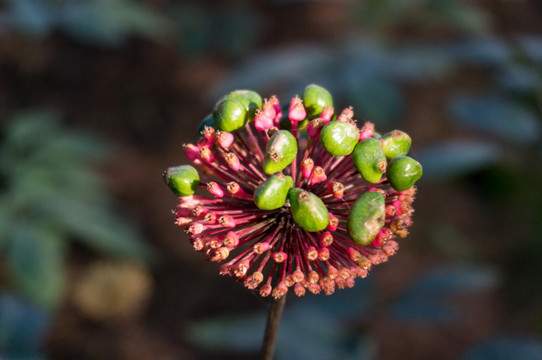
<point x="251" y="100"/>
<point x="281" y="150"/>
<point x="395" y="143"/>
<point x="208" y="121"/>
<point x="182" y="180"/>
<point x="308" y="210"/>
<point x="370" y="160"/>
<point x="339" y="138"/>
<point x="315" y="98"/>
<point x="272" y="193"/>
<point x="367" y="217"/>
<point x="229" y="115"/>
<point x="403" y="172"/>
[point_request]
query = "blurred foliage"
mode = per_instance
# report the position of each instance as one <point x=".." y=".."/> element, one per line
<point x="50" y="193"/>
<point x="333" y="327"/>
<point x="425" y="15"/>
<point x="102" y="22"/>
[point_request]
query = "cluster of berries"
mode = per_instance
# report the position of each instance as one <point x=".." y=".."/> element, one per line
<point x="297" y="196"/>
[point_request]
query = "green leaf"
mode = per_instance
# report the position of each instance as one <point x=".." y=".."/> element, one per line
<point x="35" y="263"/>
<point x="377" y="99"/>
<point x="456" y="158"/>
<point x="497" y="115"/>
<point x="96" y="226"/>
<point x="109" y="23"/>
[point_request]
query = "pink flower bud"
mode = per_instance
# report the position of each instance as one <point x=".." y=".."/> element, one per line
<point x="298" y="276"/>
<point x="326" y="239"/>
<point x="313" y="277"/>
<point x="279" y="256"/>
<point x="314" y="288"/>
<point x="207" y="155"/>
<point x="318" y="175"/>
<point x="297" y="111"/>
<point x="265" y="290"/>
<point x="196" y="228"/>
<point x="327" y="114"/>
<point x="299" y="290"/>
<point x="209" y="133"/>
<point x="182" y="221"/>
<point x="312" y="253"/>
<point x="336" y="189"/>
<point x="215" y="189"/>
<point x="353" y="254"/>
<point x="233" y="161"/>
<point x="260" y="248"/>
<point x="323" y="254"/>
<point x="262" y="121"/>
<point x="227" y="221"/>
<point x="280" y="290"/>
<point x="390" y="248"/>
<point x="231" y="239"/>
<point x="367" y="131"/>
<point x="278" y="111"/>
<point x="225" y="139"/>
<point x="314" y="127"/>
<point x="200" y="210"/>
<point x="333" y="222"/>
<point x="268" y="109"/>
<point x="192" y="153"/>
<point x="306" y="168"/>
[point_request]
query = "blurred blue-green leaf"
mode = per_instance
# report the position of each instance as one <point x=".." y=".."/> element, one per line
<point x="456" y="158"/>
<point x="314" y="328"/>
<point x="497" y="115"/>
<point x="22" y="328"/>
<point x="31" y="17"/>
<point x="512" y="347"/>
<point x="519" y="78"/>
<point x="35" y="263"/>
<point x="111" y="22"/>
<point x="376" y="99"/>
<point x="284" y="66"/>
<point x="487" y="51"/>
<point x="53" y="194"/>
<point x="532" y="47"/>
<point x="428" y="298"/>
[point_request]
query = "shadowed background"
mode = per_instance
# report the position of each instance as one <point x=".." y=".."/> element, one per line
<point x="97" y="97"/>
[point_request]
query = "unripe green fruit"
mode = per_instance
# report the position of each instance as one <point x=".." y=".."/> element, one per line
<point x="367" y="217"/>
<point x="395" y="143"/>
<point x="229" y="115"/>
<point x="339" y="138"/>
<point x="308" y="210"/>
<point x="208" y="121"/>
<point x="370" y="160"/>
<point x="403" y="172"/>
<point x="281" y="150"/>
<point x="272" y="193"/>
<point x="182" y="180"/>
<point x="251" y="100"/>
<point x="315" y="98"/>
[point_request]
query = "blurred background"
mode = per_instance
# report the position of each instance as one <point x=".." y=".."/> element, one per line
<point x="97" y="97"/>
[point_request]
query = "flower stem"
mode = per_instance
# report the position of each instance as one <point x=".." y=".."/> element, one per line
<point x="272" y="328"/>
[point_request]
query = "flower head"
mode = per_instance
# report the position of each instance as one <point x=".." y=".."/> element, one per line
<point x="311" y="205"/>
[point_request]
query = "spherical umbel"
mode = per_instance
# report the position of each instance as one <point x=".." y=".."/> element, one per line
<point x="295" y="196"/>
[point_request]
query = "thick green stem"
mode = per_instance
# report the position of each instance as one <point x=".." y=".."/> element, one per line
<point x="272" y="328"/>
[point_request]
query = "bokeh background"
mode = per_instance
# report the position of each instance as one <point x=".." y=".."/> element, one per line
<point x="97" y="97"/>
